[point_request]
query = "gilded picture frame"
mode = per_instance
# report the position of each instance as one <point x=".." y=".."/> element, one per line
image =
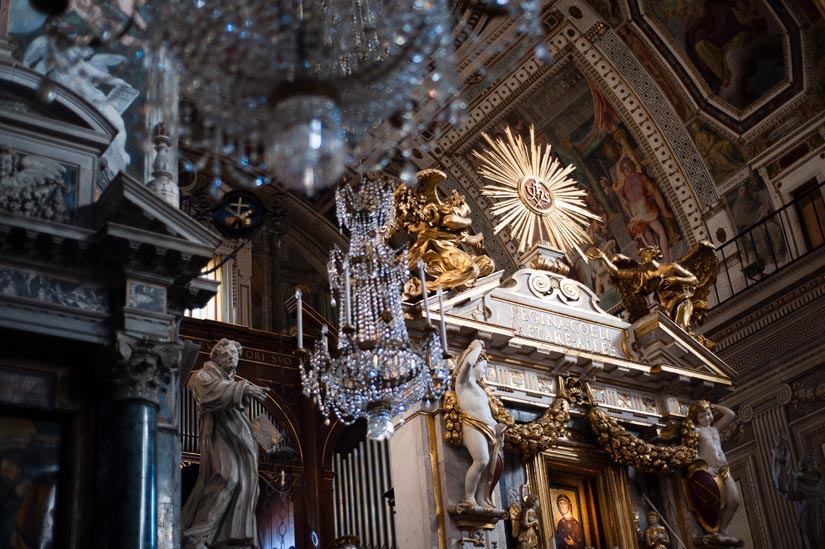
<point x="599" y="496"/>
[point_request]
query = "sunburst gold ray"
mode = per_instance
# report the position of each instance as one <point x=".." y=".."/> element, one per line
<point x="534" y="194"/>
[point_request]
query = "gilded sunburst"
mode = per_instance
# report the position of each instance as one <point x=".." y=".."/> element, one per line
<point x="534" y="194"/>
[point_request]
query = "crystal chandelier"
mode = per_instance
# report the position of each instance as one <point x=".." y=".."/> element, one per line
<point x="376" y="374"/>
<point x="303" y="80"/>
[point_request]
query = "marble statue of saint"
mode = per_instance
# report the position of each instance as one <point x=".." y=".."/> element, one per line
<point x="710" y="453"/>
<point x="805" y="487"/>
<point x="656" y="536"/>
<point x="221" y="508"/>
<point x="483" y="435"/>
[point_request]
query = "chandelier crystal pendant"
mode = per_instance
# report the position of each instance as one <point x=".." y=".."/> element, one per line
<point x="303" y="80"/>
<point x="377" y="373"/>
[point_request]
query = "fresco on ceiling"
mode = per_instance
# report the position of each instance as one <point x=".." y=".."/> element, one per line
<point x="585" y="130"/>
<point x="654" y="68"/>
<point x="735" y="46"/>
<point x="608" y="10"/>
<point x="110" y="80"/>
<point x="722" y="157"/>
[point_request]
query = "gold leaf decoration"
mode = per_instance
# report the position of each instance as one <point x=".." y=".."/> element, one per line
<point x="628" y="449"/>
<point x="453" y="431"/>
<point x="533" y="193"/>
<point x="528" y="439"/>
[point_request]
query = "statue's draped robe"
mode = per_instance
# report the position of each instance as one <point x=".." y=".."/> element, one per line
<point x="221" y="508"/>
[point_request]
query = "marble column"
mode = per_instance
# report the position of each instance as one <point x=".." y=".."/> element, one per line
<point x="144" y="373"/>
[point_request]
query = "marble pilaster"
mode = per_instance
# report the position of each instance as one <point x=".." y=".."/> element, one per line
<point x="767" y="414"/>
<point x="431" y="494"/>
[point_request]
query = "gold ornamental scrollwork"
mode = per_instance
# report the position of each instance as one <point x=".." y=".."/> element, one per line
<point x="628" y="449"/>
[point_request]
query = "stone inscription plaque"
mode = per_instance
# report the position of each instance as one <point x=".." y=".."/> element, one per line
<point x="566" y="331"/>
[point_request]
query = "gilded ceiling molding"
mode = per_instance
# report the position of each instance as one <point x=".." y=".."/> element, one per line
<point x="756" y="117"/>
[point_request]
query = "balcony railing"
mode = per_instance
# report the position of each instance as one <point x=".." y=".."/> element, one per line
<point x="772" y="244"/>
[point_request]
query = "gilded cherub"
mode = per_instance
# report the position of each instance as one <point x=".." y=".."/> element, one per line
<point x="679" y="287"/>
<point x="441" y="229"/>
<point x="525" y="521"/>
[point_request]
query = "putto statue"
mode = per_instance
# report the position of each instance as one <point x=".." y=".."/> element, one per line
<point x="805" y="487"/>
<point x="442" y="237"/>
<point x="32" y="186"/>
<point x="712" y="492"/>
<point x="221" y="509"/>
<point x="680" y="288"/>
<point x="482" y="435"/>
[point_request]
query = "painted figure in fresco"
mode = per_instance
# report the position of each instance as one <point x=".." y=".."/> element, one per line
<point x="724" y="38"/>
<point x="710" y="453"/>
<point x="644" y="204"/>
<point x="656" y="536"/>
<point x="804" y="486"/>
<point x="764" y="244"/>
<point x="568" y="530"/>
<point x="483" y="436"/>
<point x="722" y="156"/>
<point x="221" y="509"/>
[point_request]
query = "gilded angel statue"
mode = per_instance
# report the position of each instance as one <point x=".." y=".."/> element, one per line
<point x="524" y="520"/>
<point x="441" y="229"/>
<point x="32" y="186"/>
<point x="680" y="288"/>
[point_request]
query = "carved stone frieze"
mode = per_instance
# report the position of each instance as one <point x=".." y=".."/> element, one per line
<point x="56" y="291"/>
<point x="145" y="369"/>
<point x="32" y="186"/>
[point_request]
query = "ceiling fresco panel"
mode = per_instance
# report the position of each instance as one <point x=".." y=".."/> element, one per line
<point x="737" y="58"/>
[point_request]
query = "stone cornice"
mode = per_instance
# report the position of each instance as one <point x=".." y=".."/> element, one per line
<point x="760" y="306"/>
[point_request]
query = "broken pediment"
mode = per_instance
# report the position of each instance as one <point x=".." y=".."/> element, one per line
<point x="65" y="117"/>
<point x="539" y="324"/>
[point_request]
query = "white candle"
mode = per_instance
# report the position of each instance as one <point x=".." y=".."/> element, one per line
<point x="443" y="324"/>
<point x="300" y="313"/>
<point x="347" y="296"/>
<point x="422" y="275"/>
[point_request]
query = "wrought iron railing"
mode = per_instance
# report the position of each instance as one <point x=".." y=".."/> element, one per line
<point x="772" y="244"/>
